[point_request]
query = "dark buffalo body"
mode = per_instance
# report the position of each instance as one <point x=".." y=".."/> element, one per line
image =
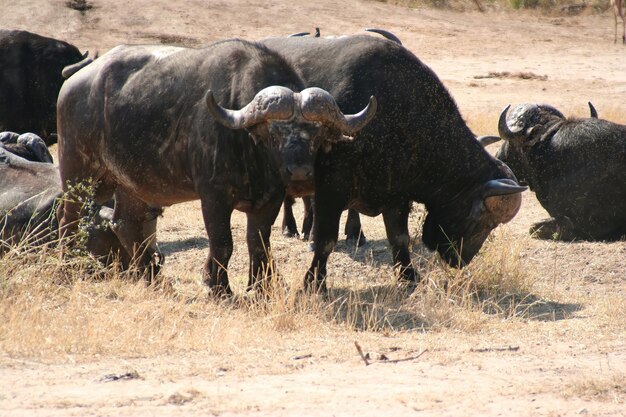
<point x="576" y="167"/>
<point x="417" y="148"/>
<point x="141" y="121"/>
<point x="30" y="80"/>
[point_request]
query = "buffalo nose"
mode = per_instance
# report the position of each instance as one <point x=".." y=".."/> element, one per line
<point x="300" y="172"/>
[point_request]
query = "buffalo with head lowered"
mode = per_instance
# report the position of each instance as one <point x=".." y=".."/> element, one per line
<point x="576" y="167"/>
<point x="417" y="148"/>
<point x="144" y="122"/>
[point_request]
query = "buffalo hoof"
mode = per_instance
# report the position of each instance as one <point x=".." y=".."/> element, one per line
<point x="357" y="241"/>
<point x="553" y="229"/>
<point x="287" y="232"/>
<point x="315" y="283"/>
<point x="220" y="292"/>
<point x="407" y="287"/>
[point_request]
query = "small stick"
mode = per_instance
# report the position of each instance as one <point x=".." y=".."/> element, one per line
<point x="496" y="349"/>
<point x="358" y="348"/>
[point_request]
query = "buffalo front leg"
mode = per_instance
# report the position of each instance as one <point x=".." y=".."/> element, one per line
<point x="325" y="232"/>
<point x="216" y="213"/>
<point x="262" y="266"/>
<point x="134" y="223"/>
<point x="396" y="225"/>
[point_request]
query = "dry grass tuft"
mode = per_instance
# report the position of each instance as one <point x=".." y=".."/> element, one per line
<point x="611" y="387"/>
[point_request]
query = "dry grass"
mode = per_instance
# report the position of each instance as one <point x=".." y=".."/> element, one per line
<point x="556" y="6"/>
<point x="53" y="307"/>
<point x="609" y="387"/>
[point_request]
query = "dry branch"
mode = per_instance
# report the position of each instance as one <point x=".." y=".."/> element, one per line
<point x="358" y="348"/>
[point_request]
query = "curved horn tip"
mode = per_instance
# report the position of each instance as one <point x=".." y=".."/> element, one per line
<point x="209" y="99"/>
<point x="504" y="130"/>
<point x="298" y="34"/>
<point x="229" y="118"/>
<point x="592" y="110"/>
<point x="386" y="34"/>
<point x="355" y="122"/>
<point x="502" y="186"/>
<point x="487" y="140"/>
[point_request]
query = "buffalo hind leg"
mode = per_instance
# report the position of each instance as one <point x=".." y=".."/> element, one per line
<point x="354" y="232"/>
<point x="396" y="225"/>
<point x="134" y="223"/>
<point x="216" y="212"/>
<point x="309" y="217"/>
<point x="289" y="228"/>
<point x="325" y="231"/>
<point x="554" y="229"/>
<point x="262" y="267"/>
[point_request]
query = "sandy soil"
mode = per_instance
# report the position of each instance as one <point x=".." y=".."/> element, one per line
<point x="570" y="59"/>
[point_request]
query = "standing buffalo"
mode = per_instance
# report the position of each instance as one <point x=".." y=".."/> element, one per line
<point x="417" y="148"/>
<point x="575" y="166"/>
<point x="143" y="121"/>
<point x="353" y="230"/>
<point x="30" y="80"/>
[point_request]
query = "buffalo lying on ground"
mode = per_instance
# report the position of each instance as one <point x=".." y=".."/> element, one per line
<point x="576" y="168"/>
<point x="27" y="145"/>
<point x="29" y="192"/>
<point x="417" y="148"/>
<point x="143" y="121"/>
<point x="30" y="80"/>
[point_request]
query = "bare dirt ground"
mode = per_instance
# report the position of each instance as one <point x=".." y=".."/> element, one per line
<point x="568" y="361"/>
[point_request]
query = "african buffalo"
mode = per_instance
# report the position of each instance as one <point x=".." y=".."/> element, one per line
<point x="30" y="80"/>
<point x="576" y="168"/>
<point x="417" y="148"/>
<point x="27" y="145"/>
<point x="353" y="230"/>
<point x="29" y="192"/>
<point x="143" y="121"/>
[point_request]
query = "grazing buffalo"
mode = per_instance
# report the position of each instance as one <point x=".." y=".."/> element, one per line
<point x="30" y="80"/>
<point x="417" y="148"/>
<point x="29" y="192"/>
<point x="576" y="168"/>
<point x="27" y="145"/>
<point x="143" y="121"/>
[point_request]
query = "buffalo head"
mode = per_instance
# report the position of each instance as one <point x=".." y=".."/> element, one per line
<point x="458" y="229"/>
<point x="526" y="127"/>
<point x="293" y="125"/>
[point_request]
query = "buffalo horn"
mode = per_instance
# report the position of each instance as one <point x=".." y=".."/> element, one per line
<point x="386" y="34"/>
<point x="299" y="34"/>
<point x="500" y="187"/>
<point x="319" y="106"/>
<point x="502" y="199"/>
<point x="70" y="70"/>
<point x="487" y="140"/>
<point x="505" y="132"/>
<point x="273" y="102"/>
<point x="592" y="110"/>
